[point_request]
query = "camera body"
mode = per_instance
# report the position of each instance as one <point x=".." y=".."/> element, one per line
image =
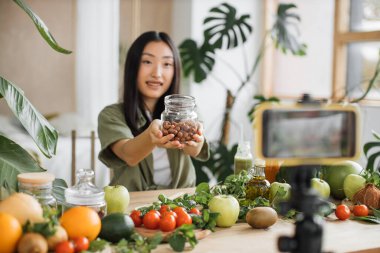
<point x="307" y="134"/>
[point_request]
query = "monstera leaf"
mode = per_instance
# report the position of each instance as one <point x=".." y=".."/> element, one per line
<point x="282" y="30"/>
<point x="43" y="134"/>
<point x="198" y="60"/>
<point x="42" y="28"/>
<point x="225" y="29"/>
<point x="14" y="160"/>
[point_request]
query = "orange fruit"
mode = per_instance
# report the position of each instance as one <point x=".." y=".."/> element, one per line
<point x="81" y="221"/>
<point x="11" y="228"/>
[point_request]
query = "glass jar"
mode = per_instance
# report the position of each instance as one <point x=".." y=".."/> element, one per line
<point x="179" y="117"/>
<point x="85" y="193"/>
<point x="243" y="157"/>
<point x="257" y="186"/>
<point x="39" y="185"/>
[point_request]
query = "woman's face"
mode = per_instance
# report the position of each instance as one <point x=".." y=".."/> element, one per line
<point x="156" y="72"/>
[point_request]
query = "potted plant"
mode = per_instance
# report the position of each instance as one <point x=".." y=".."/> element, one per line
<point x="224" y="30"/>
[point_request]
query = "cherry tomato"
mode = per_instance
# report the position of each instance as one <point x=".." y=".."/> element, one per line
<point x="342" y="212"/>
<point x="170" y="213"/>
<point x="164" y="208"/>
<point x="136" y="217"/>
<point x="179" y="210"/>
<point x="156" y="212"/>
<point x="195" y="210"/>
<point x="151" y="220"/>
<point x="360" y="210"/>
<point x="183" y="218"/>
<point x="81" y="243"/>
<point x="65" y="247"/>
<point x="167" y="223"/>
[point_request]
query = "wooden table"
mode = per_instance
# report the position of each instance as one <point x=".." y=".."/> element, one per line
<point x="339" y="236"/>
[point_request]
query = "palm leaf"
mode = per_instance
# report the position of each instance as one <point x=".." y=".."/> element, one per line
<point x="14" y="160"/>
<point x="199" y="61"/>
<point x="224" y="29"/>
<point x="371" y="162"/>
<point x="376" y="135"/>
<point x="42" y="28"/>
<point x="283" y="29"/>
<point x="43" y="134"/>
<point x="370" y="145"/>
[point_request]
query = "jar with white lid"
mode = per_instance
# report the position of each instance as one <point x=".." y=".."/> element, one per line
<point x="40" y="186"/>
<point x="179" y="117"/>
<point x="85" y="193"/>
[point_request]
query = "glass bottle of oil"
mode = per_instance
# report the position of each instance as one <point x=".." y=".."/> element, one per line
<point x="257" y="186"/>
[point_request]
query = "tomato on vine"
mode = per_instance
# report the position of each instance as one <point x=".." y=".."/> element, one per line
<point x="342" y="212"/>
<point x="360" y="210"/>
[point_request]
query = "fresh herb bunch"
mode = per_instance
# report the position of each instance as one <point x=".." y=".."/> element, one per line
<point x="137" y="244"/>
<point x="181" y="235"/>
<point x="46" y="228"/>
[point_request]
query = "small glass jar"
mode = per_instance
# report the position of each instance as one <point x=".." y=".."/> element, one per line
<point x="179" y="117"/>
<point x="85" y="193"/>
<point x="39" y="185"/>
<point x="243" y="157"/>
<point x="257" y="186"/>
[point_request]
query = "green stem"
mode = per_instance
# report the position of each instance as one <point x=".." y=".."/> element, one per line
<point x="371" y="82"/>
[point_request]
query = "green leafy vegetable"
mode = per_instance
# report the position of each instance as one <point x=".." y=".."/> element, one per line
<point x="181" y="235"/>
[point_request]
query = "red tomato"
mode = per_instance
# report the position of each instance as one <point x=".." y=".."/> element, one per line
<point x="360" y="210"/>
<point x="179" y="210"/>
<point x="81" y="243"/>
<point x="65" y="247"/>
<point x="167" y="223"/>
<point x="171" y="213"/>
<point x="155" y="211"/>
<point x="195" y="211"/>
<point x="136" y="217"/>
<point x="151" y="220"/>
<point x="342" y="212"/>
<point x="183" y="218"/>
<point x="164" y="208"/>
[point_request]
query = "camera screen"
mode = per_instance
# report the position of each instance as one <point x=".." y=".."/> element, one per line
<point x="308" y="133"/>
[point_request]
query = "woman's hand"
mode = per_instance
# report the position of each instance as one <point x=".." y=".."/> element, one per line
<point x="194" y="147"/>
<point x="159" y="140"/>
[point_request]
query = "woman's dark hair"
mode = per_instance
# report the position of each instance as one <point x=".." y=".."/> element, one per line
<point x="132" y="97"/>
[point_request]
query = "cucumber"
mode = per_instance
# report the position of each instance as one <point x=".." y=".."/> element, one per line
<point x="116" y="226"/>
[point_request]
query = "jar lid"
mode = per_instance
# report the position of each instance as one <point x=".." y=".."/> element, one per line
<point x="36" y="178"/>
<point x="84" y="192"/>
<point x="259" y="162"/>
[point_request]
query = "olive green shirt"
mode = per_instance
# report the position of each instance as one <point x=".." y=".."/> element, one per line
<point x="113" y="127"/>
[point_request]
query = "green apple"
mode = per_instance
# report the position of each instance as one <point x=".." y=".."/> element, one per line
<point x="279" y="192"/>
<point x="321" y="186"/>
<point x="352" y="184"/>
<point x="335" y="174"/>
<point x="117" y="198"/>
<point x="228" y="208"/>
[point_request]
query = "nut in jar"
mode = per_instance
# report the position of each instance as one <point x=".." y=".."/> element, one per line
<point x="183" y="131"/>
<point x="179" y="118"/>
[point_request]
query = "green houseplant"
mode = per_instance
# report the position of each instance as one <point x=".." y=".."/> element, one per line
<point x="224" y="30"/>
<point x="13" y="158"/>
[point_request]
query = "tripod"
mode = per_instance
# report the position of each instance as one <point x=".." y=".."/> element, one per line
<point x="309" y="225"/>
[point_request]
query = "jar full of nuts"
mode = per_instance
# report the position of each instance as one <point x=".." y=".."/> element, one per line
<point x="179" y="117"/>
